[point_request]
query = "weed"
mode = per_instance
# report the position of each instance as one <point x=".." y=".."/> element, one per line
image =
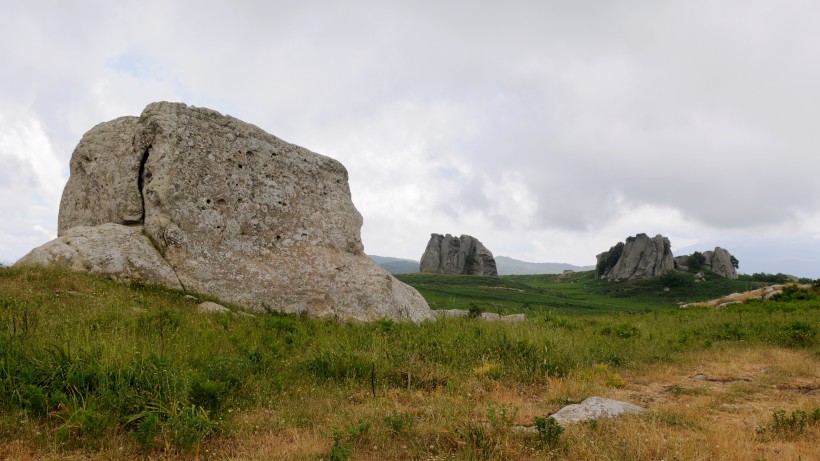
<point x="80" y="423"/>
<point x="501" y="417"/>
<point x="147" y="430"/>
<point x="796" y="334"/>
<point x="343" y="440"/>
<point x="549" y="432"/>
<point x="478" y="442"/>
<point x="189" y="425"/>
<point x="789" y="426"/>
<point x="398" y="423"/>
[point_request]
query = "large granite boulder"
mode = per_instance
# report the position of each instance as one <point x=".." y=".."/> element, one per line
<point x="457" y="255"/>
<point x="233" y="211"/>
<point x="641" y="257"/>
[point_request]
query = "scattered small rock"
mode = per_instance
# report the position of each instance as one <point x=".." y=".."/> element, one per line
<point x="450" y="313"/>
<point x="524" y="429"/>
<point x="729" y="303"/>
<point x="513" y="318"/>
<point x="210" y="307"/>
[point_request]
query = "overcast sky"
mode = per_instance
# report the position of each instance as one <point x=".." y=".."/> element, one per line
<point x="549" y="130"/>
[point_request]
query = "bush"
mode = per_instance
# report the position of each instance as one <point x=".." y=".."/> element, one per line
<point x="695" y="261"/>
<point x="549" y="431"/>
<point x="609" y="259"/>
<point x="794" y="293"/>
<point x="796" y="334"/>
<point x="675" y="278"/>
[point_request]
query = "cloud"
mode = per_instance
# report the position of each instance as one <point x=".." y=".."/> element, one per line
<point x="552" y="128"/>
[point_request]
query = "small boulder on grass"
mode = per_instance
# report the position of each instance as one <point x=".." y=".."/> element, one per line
<point x="594" y="408"/>
<point x="210" y="307"/>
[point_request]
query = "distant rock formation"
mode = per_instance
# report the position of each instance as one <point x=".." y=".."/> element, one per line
<point x="718" y="261"/>
<point x="640" y="257"/>
<point x="457" y="255"/>
<point x="186" y="197"/>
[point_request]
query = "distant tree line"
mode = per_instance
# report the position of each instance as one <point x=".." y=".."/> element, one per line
<point x="774" y="278"/>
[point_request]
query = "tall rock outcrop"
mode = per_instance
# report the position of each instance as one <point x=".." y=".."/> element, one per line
<point x="718" y="261"/>
<point x="640" y="257"/>
<point x="457" y="255"/>
<point x="218" y="206"/>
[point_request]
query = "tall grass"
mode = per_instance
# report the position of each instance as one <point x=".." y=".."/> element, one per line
<point x="92" y="365"/>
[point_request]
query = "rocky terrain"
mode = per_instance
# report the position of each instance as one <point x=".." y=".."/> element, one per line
<point x="457" y="255"/>
<point x="189" y="198"/>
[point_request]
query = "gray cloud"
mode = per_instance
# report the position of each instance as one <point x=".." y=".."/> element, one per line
<point x="562" y="119"/>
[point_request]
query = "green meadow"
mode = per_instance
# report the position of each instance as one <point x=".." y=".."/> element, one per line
<point x="91" y="368"/>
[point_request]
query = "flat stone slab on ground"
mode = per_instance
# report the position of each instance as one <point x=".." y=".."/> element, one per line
<point x="594" y="408"/>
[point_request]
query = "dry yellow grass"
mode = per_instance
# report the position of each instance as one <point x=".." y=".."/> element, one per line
<point x="710" y="408"/>
<point x="715" y="405"/>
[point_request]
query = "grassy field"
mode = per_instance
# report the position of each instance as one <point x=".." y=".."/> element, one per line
<point x="92" y="369"/>
<point x="573" y="294"/>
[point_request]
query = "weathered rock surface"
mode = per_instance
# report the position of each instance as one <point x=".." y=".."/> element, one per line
<point x="457" y="255"/>
<point x="718" y="261"/>
<point x="594" y="408"/>
<point x="640" y="257"/>
<point x="235" y="212"/>
<point x="210" y="307"/>
<point x="490" y="316"/>
<point x="112" y="250"/>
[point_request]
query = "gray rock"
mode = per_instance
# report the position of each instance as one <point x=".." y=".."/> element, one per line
<point x="235" y="212"/>
<point x="112" y="250"/>
<point x="640" y="257"/>
<point x="594" y="408"/>
<point x="450" y="313"/>
<point x="457" y="255"/>
<point x="104" y="182"/>
<point x="490" y="316"/>
<point x="719" y="261"/>
<point x="513" y="318"/>
<point x="681" y="263"/>
<point x="210" y="307"/>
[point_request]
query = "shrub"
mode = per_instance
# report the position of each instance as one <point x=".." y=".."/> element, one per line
<point x="695" y="261"/>
<point x="793" y="293"/>
<point x="549" y="431"/>
<point x="609" y="259"/>
<point x="796" y="334"/>
<point x="675" y="278"/>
